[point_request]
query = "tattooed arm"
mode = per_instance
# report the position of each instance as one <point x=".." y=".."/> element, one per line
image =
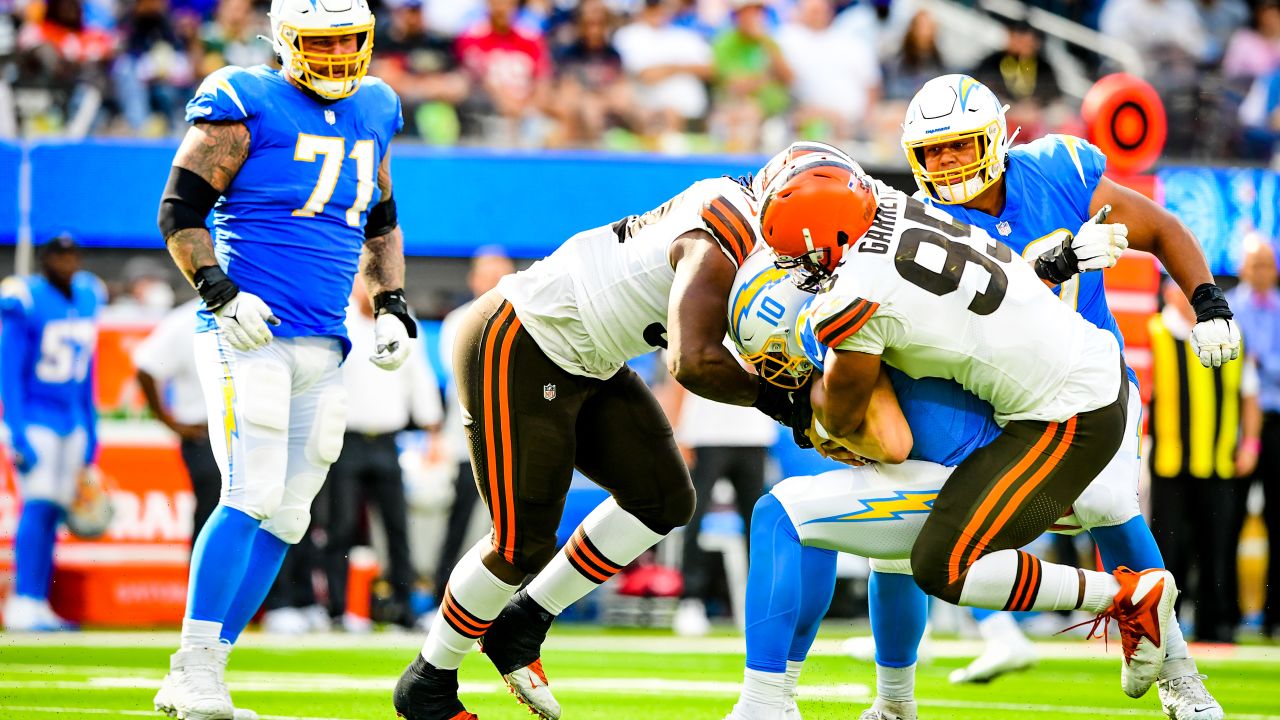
<point x="214" y="151"/>
<point x="382" y="259"/>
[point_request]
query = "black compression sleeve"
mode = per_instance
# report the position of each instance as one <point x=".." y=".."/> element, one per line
<point x="381" y="219"/>
<point x="186" y="202"/>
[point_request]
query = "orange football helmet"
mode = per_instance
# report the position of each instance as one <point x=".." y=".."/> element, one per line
<point x="814" y="209"/>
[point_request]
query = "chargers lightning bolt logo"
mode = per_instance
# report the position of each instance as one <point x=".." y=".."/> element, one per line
<point x="902" y="502"/>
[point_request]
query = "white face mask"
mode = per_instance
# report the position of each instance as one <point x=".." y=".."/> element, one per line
<point x="157" y="295"/>
<point x="967" y="190"/>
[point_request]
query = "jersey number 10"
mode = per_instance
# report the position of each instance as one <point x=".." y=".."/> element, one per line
<point x="334" y="151"/>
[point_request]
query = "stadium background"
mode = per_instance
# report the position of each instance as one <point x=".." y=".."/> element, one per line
<point x="90" y="116"/>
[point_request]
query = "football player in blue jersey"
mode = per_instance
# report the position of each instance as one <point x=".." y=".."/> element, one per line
<point x="294" y="165"/>
<point x="47" y="340"/>
<point x="1047" y="200"/>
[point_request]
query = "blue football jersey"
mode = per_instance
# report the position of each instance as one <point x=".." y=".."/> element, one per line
<point x="290" y="227"/>
<point x="1049" y="184"/>
<point x="47" y="344"/>
<point x="947" y="422"/>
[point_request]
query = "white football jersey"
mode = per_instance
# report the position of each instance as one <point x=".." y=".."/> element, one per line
<point x="601" y="298"/>
<point x="937" y="298"/>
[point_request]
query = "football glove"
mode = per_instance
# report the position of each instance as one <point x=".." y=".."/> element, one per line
<point x="1097" y="245"/>
<point x="392" y="330"/>
<point x="242" y="317"/>
<point x="774" y="401"/>
<point x="244" y="321"/>
<point x="1215" y="337"/>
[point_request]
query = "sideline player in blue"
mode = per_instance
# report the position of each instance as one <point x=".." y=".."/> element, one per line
<point x="1047" y="200"/>
<point x="294" y="165"/>
<point x="47" y="340"/>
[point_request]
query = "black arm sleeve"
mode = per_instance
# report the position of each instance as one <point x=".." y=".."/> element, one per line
<point x="381" y="218"/>
<point x="186" y="202"/>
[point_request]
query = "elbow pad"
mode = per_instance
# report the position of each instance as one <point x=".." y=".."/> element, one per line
<point x="186" y="202"/>
<point x="381" y="218"/>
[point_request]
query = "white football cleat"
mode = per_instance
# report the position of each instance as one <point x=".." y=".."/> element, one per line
<point x="1186" y="698"/>
<point x="1143" y="609"/>
<point x="883" y="709"/>
<point x="194" y="689"/>
<point x="27" y="614"/>
<point x="690" y="619"/>
<point x="529" y="685"/>
<point x="1010" y="654"/>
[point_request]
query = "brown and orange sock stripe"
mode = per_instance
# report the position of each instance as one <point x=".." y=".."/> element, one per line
<point x="460" y="620"/>
<point x="587" y="559"/>
<point x="1026" y="584"/>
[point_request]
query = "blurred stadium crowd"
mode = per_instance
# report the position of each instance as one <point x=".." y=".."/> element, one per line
<point x="670" y="75"/>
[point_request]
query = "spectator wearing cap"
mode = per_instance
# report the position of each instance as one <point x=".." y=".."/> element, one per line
<point x="1256" y="302"/>
<point x="837" y="82"/>
<point x="670" y="67"/>
<point x="591" y="91"/>
<point x="510" y="74"/>
<point x="420" y="65"/>
<point x="1020" y="76"/>
<point x="489" y="265"/>
<point x="751" y="77"/>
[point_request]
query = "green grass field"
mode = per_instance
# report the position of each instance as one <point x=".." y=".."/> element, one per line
<point x="599" y="675"/>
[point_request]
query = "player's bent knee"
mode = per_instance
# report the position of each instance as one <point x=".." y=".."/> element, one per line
<point x="1102" y="506"/>
<point x="895" y="567"/>
<point x="289" y="524"/>
<point x="929" y="566"/>
<point x="325" y="442"/>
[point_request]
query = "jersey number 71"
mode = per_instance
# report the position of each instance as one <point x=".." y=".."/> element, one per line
<point x="334" y="151"/>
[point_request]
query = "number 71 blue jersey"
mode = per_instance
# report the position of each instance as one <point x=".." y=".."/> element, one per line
<point x="47" y="344"/>
<point x="290" y="227"/>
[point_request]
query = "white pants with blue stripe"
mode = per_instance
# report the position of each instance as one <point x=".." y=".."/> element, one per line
<point x="276" y="421"/>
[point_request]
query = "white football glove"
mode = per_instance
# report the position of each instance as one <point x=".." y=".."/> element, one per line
<point x="1216" y="341"/>
<point x="1098" y="244"/>
<point x="391" y="342"/>
<point x="244" y="321"/>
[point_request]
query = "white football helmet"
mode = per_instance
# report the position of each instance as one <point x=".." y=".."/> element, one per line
<point x="763" y="309"/>
<point x="760" y="182"/>
<point x="332" y="76"/>
<point x="92" y="511"/>
<point x="950" y="108"/>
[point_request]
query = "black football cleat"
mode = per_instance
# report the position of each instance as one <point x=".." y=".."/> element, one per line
<point x="514" y="644"/>
<point x="425" y="692"/>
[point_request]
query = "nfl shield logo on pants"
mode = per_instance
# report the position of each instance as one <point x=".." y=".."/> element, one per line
<point x="549" y="392"/>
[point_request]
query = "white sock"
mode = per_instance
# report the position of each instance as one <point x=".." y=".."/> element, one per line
<point x="1177" y="656"/>
<point x="606" y="541"/>
<point x="472" y="599"/>
<point x="793" y="676"/>
<point x="1015" y="580"/>
<point x="200" y="634"/>
<point x="1100" y="591"/>
<point x="764" y="688"/>
<point x="897" y="684"/>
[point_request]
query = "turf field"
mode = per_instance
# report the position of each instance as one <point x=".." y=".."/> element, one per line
<point x="599" y="675"/>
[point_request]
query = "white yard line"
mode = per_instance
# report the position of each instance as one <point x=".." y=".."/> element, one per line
<point x="604" y="642"/>
<point x="134" y="713"/>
